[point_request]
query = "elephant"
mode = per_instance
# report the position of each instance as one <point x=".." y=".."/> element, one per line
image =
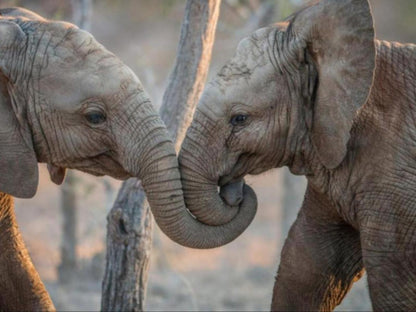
<point x="317" y="93"/>
<point x="68" y="102"/>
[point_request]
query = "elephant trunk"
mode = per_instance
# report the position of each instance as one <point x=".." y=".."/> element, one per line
<point x="201" y="193"/>
<point x="200" y="164"/>
<point x="155" y="163"/>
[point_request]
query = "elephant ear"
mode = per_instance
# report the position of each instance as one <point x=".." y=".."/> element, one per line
<point x="339" y="36"/>
<point x="18" y="163"/>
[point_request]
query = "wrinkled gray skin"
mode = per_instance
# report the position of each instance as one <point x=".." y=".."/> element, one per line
<point x="68" y="102"/>
<point x="320" y="95"/>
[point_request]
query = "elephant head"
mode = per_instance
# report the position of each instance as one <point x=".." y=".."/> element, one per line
<point x="289" y="95"/>
<point x="68" y="102"/>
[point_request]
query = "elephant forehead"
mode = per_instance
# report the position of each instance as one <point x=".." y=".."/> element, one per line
<point x="79" y="68"/>
<point x="252" y="50"/>
<point x="243" y="76"/>
<point x="68" y="47"/>
<point x="67" y="90"/>
<point x="258" y="90"/>
<point x="250" y="58"/>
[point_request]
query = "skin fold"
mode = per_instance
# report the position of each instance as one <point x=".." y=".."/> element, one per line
<point x="68" y="102"/>
<point x="319" y="94"/>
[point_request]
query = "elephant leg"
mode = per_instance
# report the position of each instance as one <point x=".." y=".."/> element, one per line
<point x="320" y="260"/>
<point x="21" y="288"/>
<point x="389" y="255"/>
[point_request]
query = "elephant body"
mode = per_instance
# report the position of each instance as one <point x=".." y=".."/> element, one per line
<point x="21" y="288"/>
<point x="361" y="215"/>
<point x="320" y="95"/>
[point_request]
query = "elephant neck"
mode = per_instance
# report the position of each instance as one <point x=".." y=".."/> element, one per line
<point x="21" y="288"/>
<point x="332" y="184"/>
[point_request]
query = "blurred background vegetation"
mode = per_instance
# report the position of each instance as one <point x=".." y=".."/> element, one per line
<point x="239" y="276"/>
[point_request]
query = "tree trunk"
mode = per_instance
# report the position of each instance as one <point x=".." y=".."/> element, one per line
<point x="81" y="16"/>
<point x="129" y="222"/>
<point x="129" y="242"/>
<point x="188" y="77"/>
<point x="68" y="264"/>
<point x="81" y="13"/>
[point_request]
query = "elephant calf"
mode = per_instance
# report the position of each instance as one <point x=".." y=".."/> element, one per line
<point x="68" y="102"/>
<point x="319" y="94"/>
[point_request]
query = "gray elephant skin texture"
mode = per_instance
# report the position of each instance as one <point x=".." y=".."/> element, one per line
<point x="68" y="102"/>
<point x="319" y="94"/>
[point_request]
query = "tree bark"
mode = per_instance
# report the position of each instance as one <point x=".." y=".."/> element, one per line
<point x="129" y="242"/>
<point x="129" y="222"/>
<point x="191" y="66"/>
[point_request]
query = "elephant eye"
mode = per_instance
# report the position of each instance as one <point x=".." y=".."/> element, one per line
<point x="238" y="120"/>
<point x="95" y="118"/>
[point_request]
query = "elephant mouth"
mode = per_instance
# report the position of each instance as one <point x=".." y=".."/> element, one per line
<point x="237" y="172"/>
<point x="103" y="164"/>
<point x="232" y="184"/>
<point x="246" y="163"/>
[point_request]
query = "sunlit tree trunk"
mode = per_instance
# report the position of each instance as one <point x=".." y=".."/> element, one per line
<point x="81" y="16"/>
<point x="129" y="222"/>
<point x="81" y="13"/>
